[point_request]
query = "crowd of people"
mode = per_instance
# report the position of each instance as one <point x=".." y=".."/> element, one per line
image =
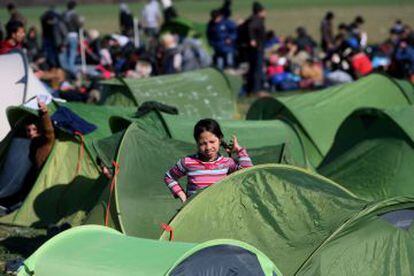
<point x="153" y="46"/>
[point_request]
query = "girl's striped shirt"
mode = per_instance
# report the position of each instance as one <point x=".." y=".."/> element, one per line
<point x="201" y="174"/>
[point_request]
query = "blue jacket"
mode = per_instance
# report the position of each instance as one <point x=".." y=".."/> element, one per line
<point x="218" y="33"/>
<point x="406" y="55"/>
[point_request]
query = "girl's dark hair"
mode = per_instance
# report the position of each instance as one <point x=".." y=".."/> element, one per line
<point x="209" y="125"/>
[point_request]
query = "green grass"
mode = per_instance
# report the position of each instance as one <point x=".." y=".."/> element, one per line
<point x="283" y="15"/>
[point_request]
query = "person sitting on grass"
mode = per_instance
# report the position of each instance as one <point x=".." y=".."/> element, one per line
<point x="14" y="39"/>
<point x="207" y="166"/>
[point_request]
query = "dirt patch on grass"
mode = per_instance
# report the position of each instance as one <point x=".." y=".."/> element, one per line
<point x="19" y="242"/>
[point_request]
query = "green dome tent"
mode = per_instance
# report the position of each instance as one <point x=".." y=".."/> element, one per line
<point x="296" y="217"/>
<point x="69" y="182"/>
<point x="153" y="144"/>
<point x="373" y="153"/>
<point x="318" y="115"/>
<point x="199" y="93"/>
<point x="378" y="241"/>
<point x="96" y="250"/>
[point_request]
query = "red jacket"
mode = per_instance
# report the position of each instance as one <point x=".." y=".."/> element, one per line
<point x="6" y="46"/>
<point x="361" y="64"/>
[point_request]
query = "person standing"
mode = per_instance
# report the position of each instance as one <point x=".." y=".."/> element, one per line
<point x="257" y="36"/>
<point x="169" y="12"/>
<point x="126" y="20"/>
<point x="226" y="9"/>
<point x="15" y="15"/>
<point x="327" y="35"/>
<point x="360" y="32"/>
<point x="151" y="18"/>
<point x="73" y="23"/>
<point x="222" y="35"/>
<point x="54" y="34"/>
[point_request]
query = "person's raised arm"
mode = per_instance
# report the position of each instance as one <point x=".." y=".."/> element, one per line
<point x="46" y="122"/>
<point x="243" y="160"/>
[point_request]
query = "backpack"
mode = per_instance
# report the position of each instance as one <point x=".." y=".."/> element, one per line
<point x="194" y="56"/>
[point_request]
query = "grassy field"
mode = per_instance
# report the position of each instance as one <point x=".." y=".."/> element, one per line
<point x="283" y="15"/>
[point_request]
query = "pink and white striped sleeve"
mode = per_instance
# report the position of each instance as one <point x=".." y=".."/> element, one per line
<point x="172" y="175"/>
<point x="244" y="161"/>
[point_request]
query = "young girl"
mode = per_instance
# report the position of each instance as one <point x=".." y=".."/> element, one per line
<point x="206" y="167"/>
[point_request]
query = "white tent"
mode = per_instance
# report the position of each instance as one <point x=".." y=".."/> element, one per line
<point x="18" y="85"/>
